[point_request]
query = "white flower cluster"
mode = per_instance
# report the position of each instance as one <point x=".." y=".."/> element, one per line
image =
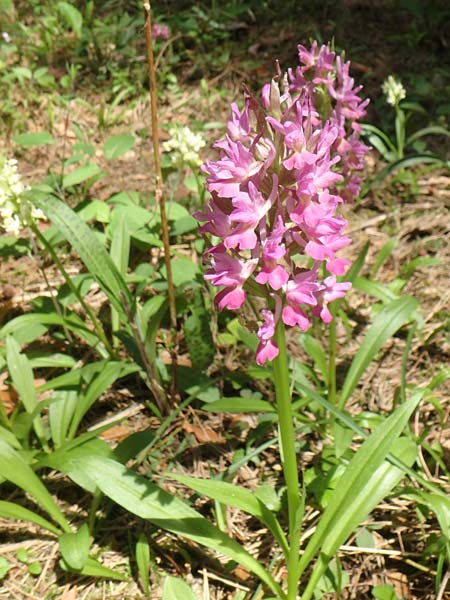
<point x="184" y="146"/>
<point x="15" y="211"/>
<point x="394" y="90"/>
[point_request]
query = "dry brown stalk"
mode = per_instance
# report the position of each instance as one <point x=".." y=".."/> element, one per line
<point x="160" y="199"/>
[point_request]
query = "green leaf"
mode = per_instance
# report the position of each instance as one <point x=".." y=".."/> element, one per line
<point x="35" y="568"/>
<point x="144" y="499"/>
<point x="23" y="380"/>
<point x="10" y="510"/>
<point x="238" y="497"/>
<point x="74" y="548"/>
<point x="431" y="130"/>
<point x="17" y="471"/>
<point x="365" y="482"/>
<point x="4" y="567"/>
<point x="183" y="271"/>
<point x="384" y="592"/>
<point x="177" y="589"/>
<point x="93" y="568"/>
<point x="91" y="251"/>
<point x="72" y="16"/>
<point x="239" y="405"/>
<point x="386" y="323"/>
<point x="375" y="289"/>
<point x="60" y="413"/>
<point x="382" y="256"/>
<point x="314" y="349"/>
<point x="81" y="174"/>
<point x="63" y="458"/>
<point x="143" y="561"/>
<point x="117" y="145"/>
<point x="110" y="372"/>
<point x="29" y="140"/>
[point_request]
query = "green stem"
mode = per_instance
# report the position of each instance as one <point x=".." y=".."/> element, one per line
<point x="288" y="456"/>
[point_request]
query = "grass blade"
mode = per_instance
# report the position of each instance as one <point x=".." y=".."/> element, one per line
<point x="385" y="324"/>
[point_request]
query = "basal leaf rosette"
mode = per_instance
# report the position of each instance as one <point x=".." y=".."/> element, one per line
<point x="289" y="160"/>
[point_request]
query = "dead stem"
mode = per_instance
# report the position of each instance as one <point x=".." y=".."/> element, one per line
<point x="160" y="200"/>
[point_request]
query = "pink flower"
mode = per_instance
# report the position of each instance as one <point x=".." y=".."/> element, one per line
<point x="285" y="167"/>
<point x="160" y="31"/>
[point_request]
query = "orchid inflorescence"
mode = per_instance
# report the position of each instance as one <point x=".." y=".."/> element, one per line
<point x="285" y="166"/>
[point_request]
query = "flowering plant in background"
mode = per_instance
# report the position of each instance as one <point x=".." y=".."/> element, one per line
<point x="16" y="211"/>
<point x="393" y="90"/>
<point x="288" y="162"/>
<point x="184" y="146"/>
<point x="160" y="31"/>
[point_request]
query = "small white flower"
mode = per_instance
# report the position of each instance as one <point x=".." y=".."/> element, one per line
<point x="16" y="211"/>
<point x="394" y="90"/>
<point x="184" y="146"/>
<point x="6" y="37"/>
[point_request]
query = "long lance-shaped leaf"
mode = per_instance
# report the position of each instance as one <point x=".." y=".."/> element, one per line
<point x="382" y="481"/>
<point x="346" y="420"/>
<point x="17" y="471"/>
<point x="20" y="328"/>
<point x="361" y="486"/>
<point x="233" y="495"/>
<point x="146" y="500"/>
<point x="23" y="380"/>
<point x="91" y="251"/>
<point x="10" y="510"/>
<point x="385" y="324"/>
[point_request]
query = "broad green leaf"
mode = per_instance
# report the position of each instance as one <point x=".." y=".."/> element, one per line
<point x="143" y="561"/>
<point x="29" y="140"/>
<point x="7" y="435"/>
<point x="72" y="16"/>
<point x="431" y="130"/>
<point x="53" y="361"/>
<point x="247" y="337"/>
<point x="62" y="459"/>
<point x="440" y="505"/>
<point x="410" y="161"/>
<point x="117" y="145"/>
<point x="4" y="564"/>
<point x="81" y="174"/>
<point x="384" y="592"/>
<point x="74" y="548"/>
<point x="238" y="497"/>
<point x="91" y="251"/>
<point x="10" y="510"/>
<point x="183" y="271"/>
<point x="93" y="568"/>
<point x="386" y="323"/>
<point x="23" y="380"/>
<point x="375" y="289"/>
<point x="177" y="589"/>
<point x="60" y="413"/>
<point x="365" y="482"/>
<point x="144" y="499"/>
<point x="27" y="328"/>
<point x="100" y="383"/>
<point x="239" y="405"/>
<point x="14" y="468"/>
